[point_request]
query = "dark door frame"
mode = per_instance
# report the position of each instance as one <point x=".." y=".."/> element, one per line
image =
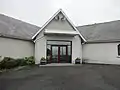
<point x="50" y="59"/>
<point x="59" y="52"/>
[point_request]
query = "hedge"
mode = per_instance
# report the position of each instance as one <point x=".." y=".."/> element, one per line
<point x="9" y="62"/>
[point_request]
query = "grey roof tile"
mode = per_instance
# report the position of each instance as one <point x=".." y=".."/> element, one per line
<point x="108" y="31"/>
<point x="10" y="27"/>
<point x="13" y="28"/>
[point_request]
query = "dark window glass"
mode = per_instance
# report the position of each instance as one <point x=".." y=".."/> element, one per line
<point x="119" y="49"/>
<point x="48" y="53"/>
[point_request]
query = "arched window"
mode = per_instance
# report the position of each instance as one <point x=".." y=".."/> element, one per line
<point x="119" y="50"/>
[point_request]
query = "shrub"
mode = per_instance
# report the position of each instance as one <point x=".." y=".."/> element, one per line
<point x="8" y="63"/>
<point x="43" y="59"/>
<point x="21" y="62"/>
<point x="77" y="60"/>
<point x="29" y="60"/>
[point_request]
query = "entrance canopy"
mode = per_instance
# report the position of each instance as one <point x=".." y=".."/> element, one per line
<point x="60" y="32"/>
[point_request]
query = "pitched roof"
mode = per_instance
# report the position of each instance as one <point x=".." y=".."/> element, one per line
<point x="59" y="11"/>
<point x="101" y="32"/>
<point x="13" y="28"/>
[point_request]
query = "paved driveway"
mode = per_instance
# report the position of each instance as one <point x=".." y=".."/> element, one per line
<point x="80" y="77"/>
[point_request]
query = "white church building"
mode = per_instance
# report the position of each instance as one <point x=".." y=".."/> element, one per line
<point x="60" y="40"/>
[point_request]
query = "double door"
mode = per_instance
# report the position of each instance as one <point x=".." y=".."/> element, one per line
<point x="59" y="54"/>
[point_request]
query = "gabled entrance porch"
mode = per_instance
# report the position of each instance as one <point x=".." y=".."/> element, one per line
<point x="58" y="40"/>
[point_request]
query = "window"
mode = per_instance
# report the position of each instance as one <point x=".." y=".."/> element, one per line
<point x="119" y="49"/>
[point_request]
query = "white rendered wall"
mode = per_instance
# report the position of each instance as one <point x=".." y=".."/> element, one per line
<point x="16" y="48"/>
<point x="106" y="53"/>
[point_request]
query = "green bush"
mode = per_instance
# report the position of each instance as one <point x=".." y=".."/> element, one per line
<point x="29" y="60"/>
<point x="8" y="62"/>
<point x="77" y="58"/>
<point x="43" y="59"/>
<point x="21" y="62"/>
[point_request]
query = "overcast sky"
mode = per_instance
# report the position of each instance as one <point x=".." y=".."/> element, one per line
<point x="81" y="12"/>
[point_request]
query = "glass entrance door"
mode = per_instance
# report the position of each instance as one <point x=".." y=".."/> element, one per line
<point x="59" y="51"/>
<point x="59" y="54"/>
<point x="54" y="54"/>
<point x="63" y="54"/>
